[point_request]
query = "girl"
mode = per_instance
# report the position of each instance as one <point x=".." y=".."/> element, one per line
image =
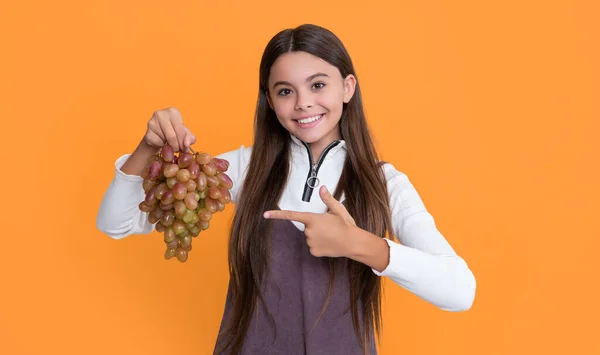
<point x="315" y="212"/>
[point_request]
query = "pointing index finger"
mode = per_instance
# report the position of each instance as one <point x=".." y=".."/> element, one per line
<point x="302" y="217"/>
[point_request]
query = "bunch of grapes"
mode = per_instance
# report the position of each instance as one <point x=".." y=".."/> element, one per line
<point x="182" y="193"/>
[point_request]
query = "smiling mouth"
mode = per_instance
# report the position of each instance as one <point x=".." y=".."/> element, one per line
<point x="309" y="119"/>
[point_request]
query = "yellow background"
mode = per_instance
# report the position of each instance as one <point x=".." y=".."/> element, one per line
<point x="491" y="108"/>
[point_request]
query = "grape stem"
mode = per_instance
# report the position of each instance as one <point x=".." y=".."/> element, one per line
<point x="191" y="150"/>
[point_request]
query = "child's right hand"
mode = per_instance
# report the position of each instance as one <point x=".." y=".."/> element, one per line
<point x="166" y="126"/>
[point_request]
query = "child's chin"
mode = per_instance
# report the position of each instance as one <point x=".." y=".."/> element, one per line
<point x="310" y="137"/>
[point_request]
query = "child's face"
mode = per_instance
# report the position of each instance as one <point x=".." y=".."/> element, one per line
<point x="304" y="86"/>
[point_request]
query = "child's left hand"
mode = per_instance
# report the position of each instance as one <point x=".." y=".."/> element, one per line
<point x="327" y="234"/>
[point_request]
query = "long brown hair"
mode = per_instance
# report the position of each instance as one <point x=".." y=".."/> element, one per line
<point x="362" y="183"/>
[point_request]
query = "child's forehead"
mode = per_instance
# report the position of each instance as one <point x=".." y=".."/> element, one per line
<point x="298" y="66"/>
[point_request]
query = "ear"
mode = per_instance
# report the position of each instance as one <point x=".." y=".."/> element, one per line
<point x="349" y="87"/>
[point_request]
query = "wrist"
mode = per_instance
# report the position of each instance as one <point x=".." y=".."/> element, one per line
<point x="146" y="149"/>
<point x="137" y="161"/>
<point x="369" y="249"/>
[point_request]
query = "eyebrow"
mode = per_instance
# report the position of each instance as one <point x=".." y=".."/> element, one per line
<point x="307" y="79"/>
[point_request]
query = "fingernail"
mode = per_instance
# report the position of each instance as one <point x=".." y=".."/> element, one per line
<point x="266" y="215"/>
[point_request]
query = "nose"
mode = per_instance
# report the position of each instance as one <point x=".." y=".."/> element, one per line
<point x="304" y="101"/>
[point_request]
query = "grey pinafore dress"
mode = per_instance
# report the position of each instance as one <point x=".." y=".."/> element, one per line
<point x="294" y="295"/>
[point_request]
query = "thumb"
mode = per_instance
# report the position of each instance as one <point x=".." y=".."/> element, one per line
<point x="334" y="205"/>
<point x="189" y="138"/>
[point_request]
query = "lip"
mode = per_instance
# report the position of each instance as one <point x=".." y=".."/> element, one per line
<point x="311" y="124"/>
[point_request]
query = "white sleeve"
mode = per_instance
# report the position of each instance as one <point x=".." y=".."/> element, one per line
<point x="119" y="215"/>
<point x="423" y="262"/>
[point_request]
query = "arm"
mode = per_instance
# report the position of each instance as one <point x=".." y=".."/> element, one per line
<point x="423" y="262"/>
<point x="119" y="214"/>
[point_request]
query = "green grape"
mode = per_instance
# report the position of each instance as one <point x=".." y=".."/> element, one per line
<point x="159" y="228"/>
<point x="190" y="185"/>
<point x="185" y="160"/>
<point x="185" y="241"/>
<point x="221" y="164"/>
<point x="194" y="231"/>
<point x="201" y="181"/>
<point x="190" y="201"/>
<point x="204" y="215"/>
<point x="194" y="170"/>
<point x="154" y="170"/>
<point x="170" y="252"/>
<point x="209" y="169"/>
<point x="214" y="193"/>
<point x="170" y="235"/>
<point x="167" y="153"/>
<point x="160" y="190"/>
<point x="211" y="205"/>
<point x="179" y="191"/>
<point x="189" y="216"/>
<point x="171" y="170"/>
<point x="212" y="181"/>
<point x="152" y="219"/>
<point x="155" y="215"/>
<point x="165" y="207"/>
<point x="183" y="175"/>
<point x="189" y="226"/>
<point x="203" y="225"/>
<point x="225" y="180"/>
<point x="203" y="158"/>
<point x="181" y="254"/>
<point x="179" y="208"/>
<point x="151" y="199"/>
<point x="168" y="198"/>
<point x="168" y="218"/>
<point x="171" y="182"/>
<point x="144" y="207"/>
<point x="178" y="226"/>
<point x="173" y="244"/>
<point x="147" y="184"/>
<point x="225" y="195"/>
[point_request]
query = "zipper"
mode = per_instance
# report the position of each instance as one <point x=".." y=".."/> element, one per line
<point x="312" y="180"/>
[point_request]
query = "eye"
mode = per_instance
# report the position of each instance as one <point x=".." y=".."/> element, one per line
<point x="284" y="92"/>
<point x="318" y="85"/>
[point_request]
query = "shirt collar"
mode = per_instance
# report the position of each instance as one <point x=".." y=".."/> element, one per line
<point x="298" y="144"/>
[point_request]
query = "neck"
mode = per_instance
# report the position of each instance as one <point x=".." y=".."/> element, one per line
<point x="317" y="148"/>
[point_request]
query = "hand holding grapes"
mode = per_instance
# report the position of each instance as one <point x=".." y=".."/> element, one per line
<point x="166" y="127"/>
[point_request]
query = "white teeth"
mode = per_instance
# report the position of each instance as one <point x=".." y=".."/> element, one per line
<point x="310" y="119"/>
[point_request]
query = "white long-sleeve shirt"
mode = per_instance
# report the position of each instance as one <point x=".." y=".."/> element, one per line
<point x="423" y="262"/>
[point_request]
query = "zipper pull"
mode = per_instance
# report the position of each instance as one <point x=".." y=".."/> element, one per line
<point x="313" y="180"/>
